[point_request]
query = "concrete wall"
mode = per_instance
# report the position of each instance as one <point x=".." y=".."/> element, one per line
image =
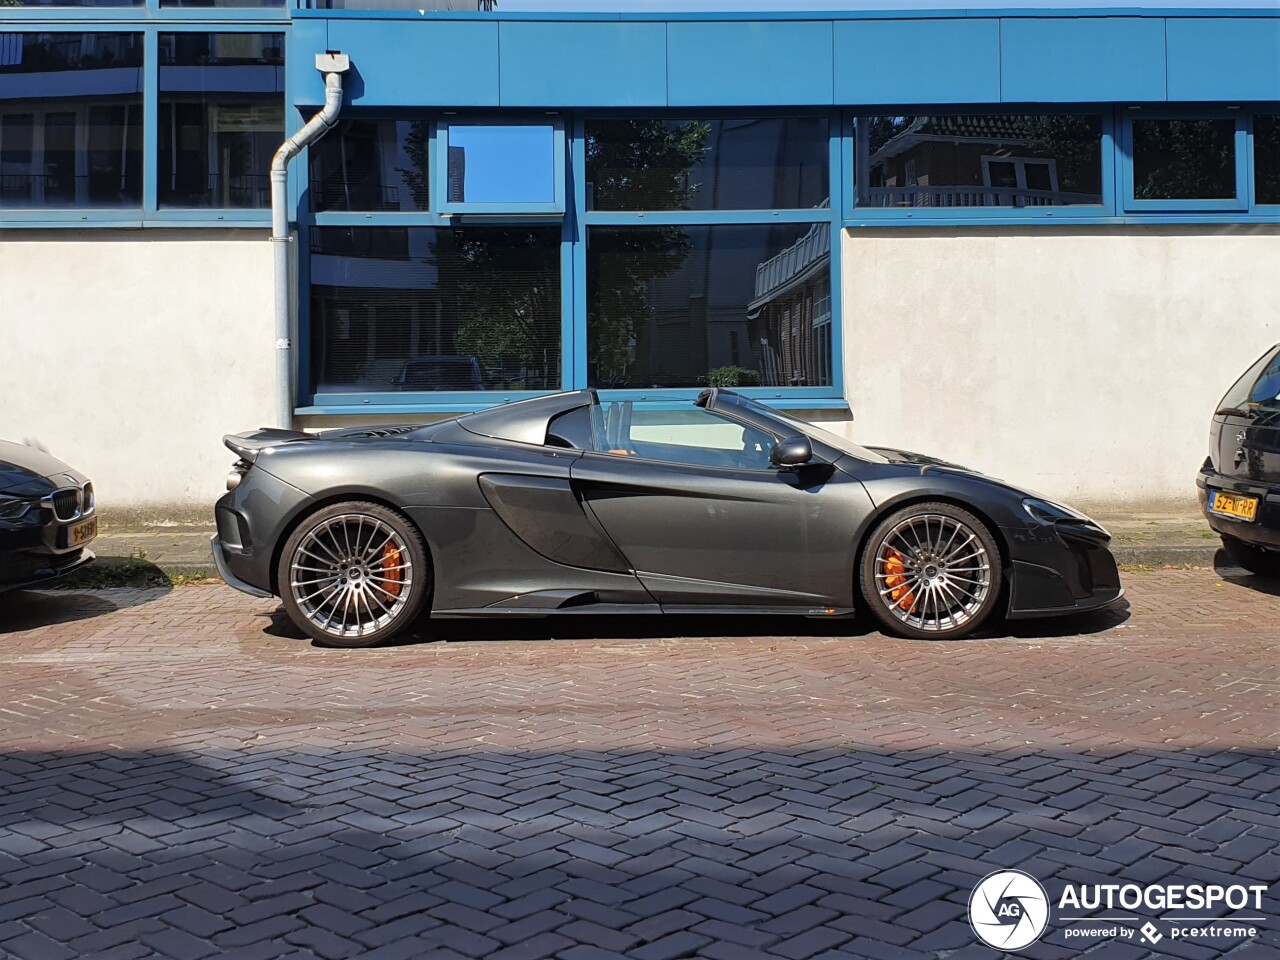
<point x="1083" y="362"/>
<point x="129" y="354"/>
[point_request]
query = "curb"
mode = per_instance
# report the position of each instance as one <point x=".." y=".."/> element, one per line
<point x="1161" y="556"/>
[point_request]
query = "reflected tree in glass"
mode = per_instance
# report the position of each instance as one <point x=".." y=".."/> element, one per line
<point x="509" y="288"/>
<point x="659" y="156"/>
<point x="1266" y="158"/>
<point x="1184" y="159"/>
<point x="417" y="145"/>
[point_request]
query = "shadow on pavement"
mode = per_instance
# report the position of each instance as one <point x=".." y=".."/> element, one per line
<point x="671" y="626"/>
<point x="1232" y="572"/>
<point x="751" y="851"/>
<point x="30" y="609"/>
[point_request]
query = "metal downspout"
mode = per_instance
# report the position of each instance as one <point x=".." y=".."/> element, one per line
<point x="333" y="65"/>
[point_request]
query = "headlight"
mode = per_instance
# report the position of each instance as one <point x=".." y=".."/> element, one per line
<point x="1048" y="512"/>
<point x="13" y="508"/>
<point x="238" y="470"/>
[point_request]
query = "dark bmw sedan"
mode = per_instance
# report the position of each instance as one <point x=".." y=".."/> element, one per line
<point x="47" y="516"/>
<point x="1240" y="480"/>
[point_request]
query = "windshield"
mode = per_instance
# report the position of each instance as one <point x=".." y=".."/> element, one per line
<point x="840" y="443"/>
<point x="1258" y="388"/>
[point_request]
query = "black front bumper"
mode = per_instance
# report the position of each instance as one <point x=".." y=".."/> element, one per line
<point x="1061" y="568"/>
<point x="26" y="569"/>
<point x="1264" y="530"/>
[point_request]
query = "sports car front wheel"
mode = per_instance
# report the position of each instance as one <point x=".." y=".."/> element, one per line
<point x="354" y="575"/>
<point x="931" y="571"/>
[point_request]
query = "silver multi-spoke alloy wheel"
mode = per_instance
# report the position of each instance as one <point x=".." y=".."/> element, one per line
<point x="931" y="571"/>
<point x="350" y="575"/>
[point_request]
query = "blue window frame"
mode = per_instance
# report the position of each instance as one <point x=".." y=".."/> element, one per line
<point x="500" y="166"/>
<point x="1185" y="161"/>
<point x="772" y="240"/>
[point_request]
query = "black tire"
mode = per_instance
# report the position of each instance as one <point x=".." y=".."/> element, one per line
<point x="931" y="557"/>
<point x="1256" y="560"/>
<point x="328" y="571"/>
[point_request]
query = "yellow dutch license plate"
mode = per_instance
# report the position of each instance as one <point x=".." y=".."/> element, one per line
<point x="82" y="532"/>
<point x="1235" y="505"/>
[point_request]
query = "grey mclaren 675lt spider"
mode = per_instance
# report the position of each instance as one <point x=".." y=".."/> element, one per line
<point x="565" y="504"/>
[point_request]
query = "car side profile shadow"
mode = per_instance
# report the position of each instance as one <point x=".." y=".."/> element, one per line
<point x="672" y="626"/>
<point x="30" y="609"/>
<point x="1232" y="572"/>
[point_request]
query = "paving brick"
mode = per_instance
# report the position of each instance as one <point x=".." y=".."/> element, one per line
<point x="644" y="795"/>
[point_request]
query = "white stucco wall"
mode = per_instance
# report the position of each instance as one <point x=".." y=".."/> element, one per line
<point x="129" y="354"/>
<point x="1083" y="362"/>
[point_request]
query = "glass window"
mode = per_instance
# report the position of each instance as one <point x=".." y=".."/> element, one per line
<point x="70" y="120"/>
<point x="977" y="160"/>
<point x="492" y="163"/>
<point x="683" y="434"/>
<point x="371" y="165"/>
<point x="737" y="164"/>
<point x="222" y="3"/>
<point x="1259" y="386"/>
<point x="1266" y="158"/>
<point x="1184" y="159"/>
<point x="221" y="118"/>
<point x="664" y="301"/>
<point x="435" y="308"/>
<point x="66" y="3"/>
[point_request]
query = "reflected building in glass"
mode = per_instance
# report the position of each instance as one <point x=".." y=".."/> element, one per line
<point x="70" y="120"/>
<point x="966" y="160"/>
<point x="681" y="305"/>
<point x="221" y="118"/>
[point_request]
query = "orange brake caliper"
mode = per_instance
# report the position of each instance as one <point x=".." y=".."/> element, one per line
<point x="391" y="569"/>
<point x="896" y="569"/>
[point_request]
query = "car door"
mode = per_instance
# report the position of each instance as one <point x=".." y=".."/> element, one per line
<point x="691" y="499"/>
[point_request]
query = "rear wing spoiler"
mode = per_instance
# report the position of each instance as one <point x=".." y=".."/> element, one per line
<point x="247" y="446"/>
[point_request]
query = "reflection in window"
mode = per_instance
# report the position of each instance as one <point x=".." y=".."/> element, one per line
<point x="739" y="164"/>
<point x="739" y="305"/>
<point x="501" y="164"/>
<point x="371" y="165"/>
<point x="964" y="160"/>
<point x="222" y="3"/>
<point x="1184" y="159"/>
<point x="70" y="120"/>
<point x="70" y="3"/>
<point x="1266" y="158"/>
<point x="221" y="118"/>
<point x="434" y="308"/>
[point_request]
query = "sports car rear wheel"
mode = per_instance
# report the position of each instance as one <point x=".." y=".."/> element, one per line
<point x="931" y="571"/>
<point x="354" y="575"/>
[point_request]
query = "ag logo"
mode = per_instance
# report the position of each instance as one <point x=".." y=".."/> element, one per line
<point x="1008" y="910"/>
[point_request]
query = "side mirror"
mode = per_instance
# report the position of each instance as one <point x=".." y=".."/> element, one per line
<point x="791" y="452"/>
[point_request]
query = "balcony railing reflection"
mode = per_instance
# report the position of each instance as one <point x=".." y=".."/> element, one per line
<point x="246" y="190"/>
<point x="921" y="196"/>
<point x="813" y="247"/>
<point x="59" y="189"/>
<point x="335" y="196"/>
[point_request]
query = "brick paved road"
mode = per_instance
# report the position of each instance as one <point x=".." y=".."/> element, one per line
<point x="181" y="776"/>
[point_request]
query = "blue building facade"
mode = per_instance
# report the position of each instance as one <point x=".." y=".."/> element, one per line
<point x="513" y="204"/>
